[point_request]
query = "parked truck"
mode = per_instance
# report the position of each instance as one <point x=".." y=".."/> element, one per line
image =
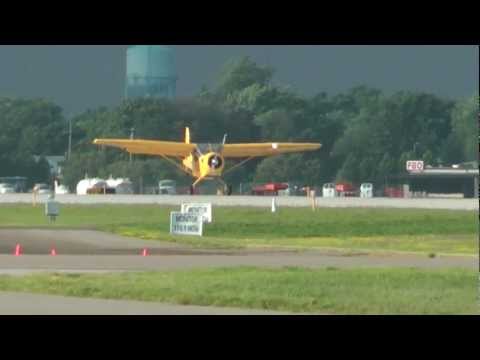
<point x="346" y="189"/>
<point x="269" y="189"/>
<point x="167" y="187"/>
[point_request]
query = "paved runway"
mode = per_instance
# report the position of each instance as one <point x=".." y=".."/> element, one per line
<point x="255" y="201"/>
<point x="12" y="265"/>
<point x="88" y="250"/>
<point x="83" y="242"/>
<point x="34" y="304"/>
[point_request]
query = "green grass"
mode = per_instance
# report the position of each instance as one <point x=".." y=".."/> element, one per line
<point x="412" y="230"/>
<point x="329" y="291"/>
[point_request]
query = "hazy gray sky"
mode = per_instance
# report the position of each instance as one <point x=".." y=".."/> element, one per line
<point x="81" y="77"/>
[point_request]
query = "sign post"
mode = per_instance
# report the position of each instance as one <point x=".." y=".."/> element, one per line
<point x="186" y="223"/>
<point x="34" y="197"/>
<point x="274" y="205"/>
<point x="313" y="197"/>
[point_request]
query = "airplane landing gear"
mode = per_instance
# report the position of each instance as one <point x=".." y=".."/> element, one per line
<point x="225" y="189"/>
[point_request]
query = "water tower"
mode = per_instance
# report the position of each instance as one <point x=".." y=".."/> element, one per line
<point x="151" y="72"/>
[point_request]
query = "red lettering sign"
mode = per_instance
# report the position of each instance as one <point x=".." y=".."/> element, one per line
<point x="415" y="165"/>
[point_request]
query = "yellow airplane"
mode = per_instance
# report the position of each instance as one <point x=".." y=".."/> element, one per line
<point x="204" y="161"/>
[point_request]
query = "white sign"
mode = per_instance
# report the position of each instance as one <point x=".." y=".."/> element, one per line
<point x="186" y="223"/>
<point x="205" y="210"/>
<point x="416" y="165"/>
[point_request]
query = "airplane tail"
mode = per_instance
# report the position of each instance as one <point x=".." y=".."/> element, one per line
<point x="187" y="135"/>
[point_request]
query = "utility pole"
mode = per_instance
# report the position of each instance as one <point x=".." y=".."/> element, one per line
<point x="132" y="135"/>
<point x="415" y="148"/>
<point x="69" y="138"/>
<point x="267" y="57"/>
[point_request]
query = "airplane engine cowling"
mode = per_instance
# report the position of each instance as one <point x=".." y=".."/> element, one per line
<point x="211" y="165"/>
<point x="215" y="162"/>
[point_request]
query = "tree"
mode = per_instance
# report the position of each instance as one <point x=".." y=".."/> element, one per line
<point x="275" y="125"/>
<point x="452" y="151"/>
<point x="30" y="127"/>
<point x="34" y="126"/>
<point x="381" y="132"/>
<point x="239" y="74"/>
<point x="284" y="168"/>
<point x="465" y="118"/>
<point x="365" y="134"/>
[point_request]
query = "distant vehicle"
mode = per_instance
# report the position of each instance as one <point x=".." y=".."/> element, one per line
<point x="121" y="186"/>
<point x="89" y="186"/>
<point x="346" y="189"/>
<point x="394" y="192"/>
<point x="167" y="187"/>
<point x="42" y="189"/>
<point x="269" y="189"/>
<point x="295" y="189"/>
<point x="6" y="189"/>
<point x="18" y="183"/>
<point x="366" y="190"/>
<point x="329" y="190"/>
<point x="61" y="189"/>
<point x="286" y="192"/>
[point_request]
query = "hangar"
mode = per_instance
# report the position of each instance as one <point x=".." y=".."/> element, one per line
<point x="420" y="181"/>
<point x="444" y="181"/>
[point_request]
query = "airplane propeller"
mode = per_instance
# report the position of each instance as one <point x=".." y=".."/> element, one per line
<point x="215" y="162"/>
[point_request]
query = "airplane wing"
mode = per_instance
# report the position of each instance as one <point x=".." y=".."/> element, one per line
<point x="265" y="149"/>
<point x="149" y="147"/>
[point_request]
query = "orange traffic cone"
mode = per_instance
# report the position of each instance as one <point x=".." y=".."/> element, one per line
<point x="53" y="252"/>
<point x="145" y="252"/>
<point x="18" y="250"/>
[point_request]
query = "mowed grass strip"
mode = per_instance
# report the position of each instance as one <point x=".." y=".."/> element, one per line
<point x="418" y="230"/>
<point x="298" y="290"/>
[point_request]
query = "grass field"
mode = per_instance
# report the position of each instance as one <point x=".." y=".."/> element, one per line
<point x="430" y="231"/>
<point x="329" y="291"/>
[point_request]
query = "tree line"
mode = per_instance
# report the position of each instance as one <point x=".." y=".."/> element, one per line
<point x="366" y="134"/>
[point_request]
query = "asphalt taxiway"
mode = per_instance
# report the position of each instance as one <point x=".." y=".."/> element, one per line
<point x="253" y="201"/>
<point x="88" y="250"/>
<point x="35" y="304"/>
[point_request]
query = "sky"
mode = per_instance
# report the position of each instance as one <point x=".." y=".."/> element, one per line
<point x="81" y="77"/>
